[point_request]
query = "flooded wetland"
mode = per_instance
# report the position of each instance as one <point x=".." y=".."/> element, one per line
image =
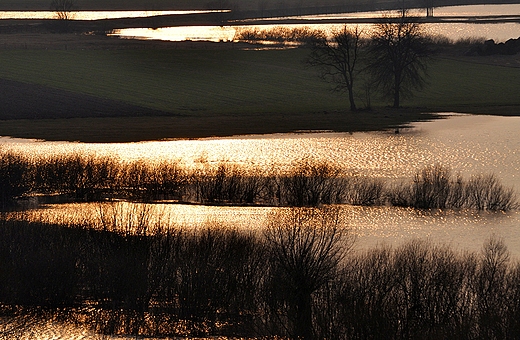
<point x="468" y="145"/>
<point x="407" y="231"/>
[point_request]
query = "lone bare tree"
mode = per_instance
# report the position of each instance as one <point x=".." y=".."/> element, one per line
<point x="400" y="51"/>
<point x="338" y="59"/>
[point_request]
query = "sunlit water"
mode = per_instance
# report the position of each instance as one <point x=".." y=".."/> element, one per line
<point x="468" y="144"/>
<point x="454" y="31"/>
<point x="91" y="15"/>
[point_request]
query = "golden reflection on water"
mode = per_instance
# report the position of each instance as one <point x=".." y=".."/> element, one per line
<point x="455" y="31"/>
<point x="372" y="226"/>
<point x="92" y="15"/>
<point x="134" y="217"/>
<point x="500" y="32"/>
<point x="181" y="33"/>
<point x="467" y="144"/>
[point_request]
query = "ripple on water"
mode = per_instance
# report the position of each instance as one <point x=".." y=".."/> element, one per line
<point x="467" y="144"/>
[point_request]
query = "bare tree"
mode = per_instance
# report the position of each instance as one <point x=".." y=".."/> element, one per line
<point x="306" y="247"/>
<point x="400" y="51"/>
<point x="338" y="59"/>
<point x="491" y="289"/>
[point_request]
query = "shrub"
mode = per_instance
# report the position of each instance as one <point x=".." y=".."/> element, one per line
<point x="310" y="184"/>
<point x="15" y="177"/>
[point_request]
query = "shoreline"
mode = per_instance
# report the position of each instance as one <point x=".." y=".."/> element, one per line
<point x="138" y="129"/>
<point x="41" y="112"/>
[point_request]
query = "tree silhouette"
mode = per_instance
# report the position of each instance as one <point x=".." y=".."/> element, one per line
<point x="400" y="51"/>
<point x="306" y="247"/>
<point x="338" y="59"/>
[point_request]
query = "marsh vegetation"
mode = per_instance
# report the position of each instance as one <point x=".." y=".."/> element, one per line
<point x="91" y="178"/>
<point x="299" y="276"/>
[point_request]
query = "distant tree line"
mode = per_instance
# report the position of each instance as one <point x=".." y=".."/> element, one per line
<point x="298" y="277"/>
<point x="77" y="178"/>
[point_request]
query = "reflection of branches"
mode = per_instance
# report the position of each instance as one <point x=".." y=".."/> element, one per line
<point x="12" y="326"/>
<point x="63" y="8"/>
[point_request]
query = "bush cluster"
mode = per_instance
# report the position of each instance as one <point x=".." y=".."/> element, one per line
<point x="297" y="278"/>
<point x="280" y="35"/>
<point x="435" y="187"/>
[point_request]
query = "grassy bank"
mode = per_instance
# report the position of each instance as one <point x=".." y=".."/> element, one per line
<point x="215" y="92"/>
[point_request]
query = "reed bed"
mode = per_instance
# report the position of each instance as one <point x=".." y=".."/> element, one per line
<point x="298" y="278"/>
<point x="91" y="178"/>
<point x="280" y="35"/>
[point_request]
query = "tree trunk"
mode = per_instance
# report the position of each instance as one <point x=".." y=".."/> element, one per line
<point x="396" y="98"/>
<point x="397" y="86"/>
<point x="351" y="99"/>
<point x="304" y="318"/>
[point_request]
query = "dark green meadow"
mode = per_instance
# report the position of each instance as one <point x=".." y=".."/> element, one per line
<point x="470" y="86"/>
<point x="210" y="91"/>
<point x="181" y="81"/>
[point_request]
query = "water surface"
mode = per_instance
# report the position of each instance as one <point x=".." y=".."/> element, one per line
<point x="467" y="144"/>
<point x="500" y="32"/>
<point x="92" y="15"/>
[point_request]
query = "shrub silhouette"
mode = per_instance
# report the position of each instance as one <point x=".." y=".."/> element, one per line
<point x="307" y="184"/>
<point x="295" y="279"/>
<point x="15" y="177"/>
<point x="306" y="247"/>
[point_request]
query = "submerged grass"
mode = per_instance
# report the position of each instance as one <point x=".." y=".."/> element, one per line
<point x="307" y="183"/>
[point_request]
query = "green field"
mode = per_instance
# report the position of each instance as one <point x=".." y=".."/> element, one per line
<point x="240" y="82"/>
<point x="181" y="81"/>
<point x="243" y="91"/>
<point x="470" y="87"/>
